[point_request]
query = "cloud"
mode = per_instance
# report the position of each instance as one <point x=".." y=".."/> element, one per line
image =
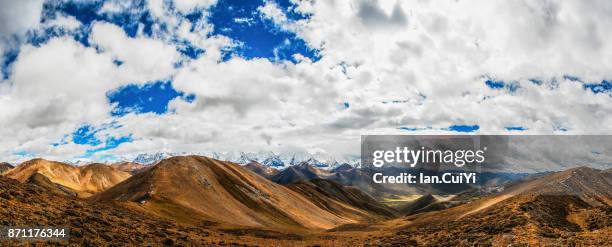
<point x="16" y="17"/>
<point x="144" y="59"/>
<point x="68" y="23"/>
<point x="272" y="11"/>
<point x="186" y="6"/>
<point x="372" y="15"/>
<point x="422" y="64"/>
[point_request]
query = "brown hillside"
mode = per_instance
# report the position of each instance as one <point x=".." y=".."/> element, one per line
<point x="4" y="167"/>
<point x="85" y="180"/>
<point x="46" y="184"/>
<point x="419" y="205"/>
<point x="568" y="208"/>
<point x="113" y="224"/>
<point x="260" y="169"/>
<point x="195" y="188"/>
<point x="130" y="167"/>
<point x="332" y="196"/>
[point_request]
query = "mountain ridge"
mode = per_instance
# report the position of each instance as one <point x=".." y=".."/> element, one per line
<point x="85" y="180"/>
<point x="213" y="189"/>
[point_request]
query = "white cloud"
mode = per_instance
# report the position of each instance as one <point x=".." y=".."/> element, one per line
<point x="427" y="56"/>
<point x="272" y="11"/>
<point x="156" y="7"/>
<point x="144" y="59"/>
<point x="186" y="6"/>
<point x="54" y="88"/>
<point x="68" y="23"/>
<point x="18" y="16"/>
<point x="61" y="85"/>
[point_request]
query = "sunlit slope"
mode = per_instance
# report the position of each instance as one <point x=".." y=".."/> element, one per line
<point x="568" y="208"/>
<point x="85" y="180"/>
<point x="195" y="189"/>
<point x="130" y="167"/>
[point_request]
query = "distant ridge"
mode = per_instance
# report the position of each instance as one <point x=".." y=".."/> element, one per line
<point x="260" y="169"/>
<point x="301" y="172"/>
<point x="131" y="167"/>
<point x="85" y="180"/>
<point x="266" y="158"/>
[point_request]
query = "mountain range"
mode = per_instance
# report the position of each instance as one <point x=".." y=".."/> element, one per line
<point x="279" y="161"/>
<point x="179" y="188"/>
<point x="197" y="200"/>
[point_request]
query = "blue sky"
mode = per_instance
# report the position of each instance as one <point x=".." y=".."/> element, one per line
<point x="257" y="37"/>
<point x="105" y="79"/>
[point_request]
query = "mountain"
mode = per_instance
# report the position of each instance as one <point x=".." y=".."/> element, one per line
<point x="262" y="170"/>
<point x="418" y="205"/>
<point x="319" y="189"/>
<point x="26" y="204"/>
<point x="314" y="162"/>
<point x="342" y="168"/>
<point x="267" y="158"/>
<point x="567" y="208"/>
<point x="273" y="161"/>
<point x="296" y="173"/>
<point x="149" y="159"/>
<point x="590" y="185"/>
<point x="130" y="167"/>
<point x="46" y="184"/>
<point x="5" y="167"/>
<point x="197" y="201"/>
<point x="608" y="174"/>
<point x="85" y="180"/>
<point x="196" y="188"/>
<point x="78" y="162"/>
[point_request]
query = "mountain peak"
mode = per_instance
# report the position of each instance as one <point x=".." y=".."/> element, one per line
<point x="213" y="189"/>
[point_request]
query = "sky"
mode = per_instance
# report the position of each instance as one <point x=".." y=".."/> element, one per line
<point x="106" y="79"/>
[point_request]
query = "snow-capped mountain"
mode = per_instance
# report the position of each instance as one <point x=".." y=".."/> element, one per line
<point x="270" y="159"/>
<point x="148" y="159"/>
<point x="273" y="161"/>
<point x="78" y="162"/>
<point x="314" y="162"/>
